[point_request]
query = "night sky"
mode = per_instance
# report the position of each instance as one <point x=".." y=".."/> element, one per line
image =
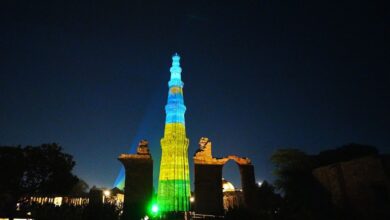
<point x="259" y="75"/>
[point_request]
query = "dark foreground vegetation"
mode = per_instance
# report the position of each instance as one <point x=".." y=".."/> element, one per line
<point x="35" y="170"/>
<point x="69" y="212"/>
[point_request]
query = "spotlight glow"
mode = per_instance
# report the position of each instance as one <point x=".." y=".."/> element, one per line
<point x="107" y="193"/>
<point x="155" y="208"/>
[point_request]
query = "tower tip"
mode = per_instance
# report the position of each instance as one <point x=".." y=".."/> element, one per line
<point x="176" y="56"/>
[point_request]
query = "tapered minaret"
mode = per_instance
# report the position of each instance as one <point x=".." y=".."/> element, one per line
<point x="174" y="181"/>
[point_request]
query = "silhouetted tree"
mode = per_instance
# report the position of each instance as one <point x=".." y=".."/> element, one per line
<point x="304" y="197"/>
<point x="80" y="188"/>
<point x="48" y="170"/>
<point x="12" y="167"/>
<point x="344" y="153"/>
<point x="43" y="169"/>
<point x="268" y="202"/>
<point x="292" y="167"/>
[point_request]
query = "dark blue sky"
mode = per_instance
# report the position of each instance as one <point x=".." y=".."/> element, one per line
<point x="259" y="75"/>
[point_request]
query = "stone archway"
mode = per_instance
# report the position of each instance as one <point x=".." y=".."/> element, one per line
<point x="208" y="176"/>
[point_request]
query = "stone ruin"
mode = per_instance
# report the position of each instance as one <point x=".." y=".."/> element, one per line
<point x="138" y="181"/>
<point x="208" y="176"/>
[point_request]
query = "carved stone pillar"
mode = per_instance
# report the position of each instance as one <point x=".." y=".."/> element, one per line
<point x="248" y="183"/>
<point x="138" y="182"/>
<point x="208" y="189"/>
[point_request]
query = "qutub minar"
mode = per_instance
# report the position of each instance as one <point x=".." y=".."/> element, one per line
<point x="174" y="181"/>
<point x="173" y="194"/>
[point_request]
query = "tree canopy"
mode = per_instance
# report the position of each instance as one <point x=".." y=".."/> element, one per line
<point x="43" y="170"/>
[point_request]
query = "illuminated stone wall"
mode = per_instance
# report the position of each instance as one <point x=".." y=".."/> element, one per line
<point x="174" y="182"/>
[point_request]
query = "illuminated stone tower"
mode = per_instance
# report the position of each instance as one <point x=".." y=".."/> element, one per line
<point x="174" y="181"/>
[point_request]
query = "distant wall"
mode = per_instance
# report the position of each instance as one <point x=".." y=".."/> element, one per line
<point x="361" y="185"/>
